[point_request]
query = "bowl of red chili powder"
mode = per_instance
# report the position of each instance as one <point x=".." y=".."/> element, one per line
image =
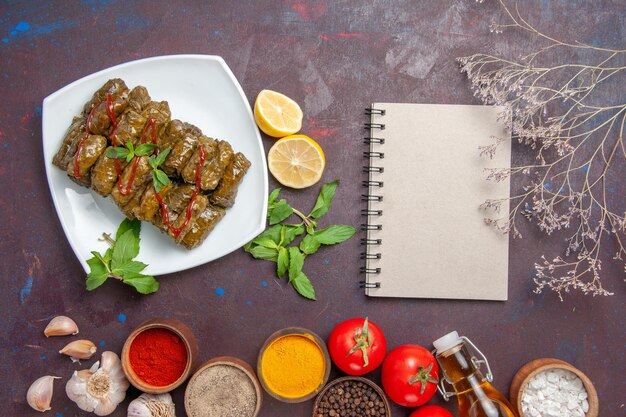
<point x="159" y="355"/>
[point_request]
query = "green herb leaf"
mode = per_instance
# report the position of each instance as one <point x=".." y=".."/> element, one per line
<point x="98" y="273"/>
<point x="271" y="233"/>
<point x="130" y="147"/>
<point x="261" y="252"/>
<point x="127" y="224"/>
<point x="282" y="264"/>
<point x="303" y="286"/>
<point x="129" y="268"/>
<point x="126" y="248"/>
<point x="335" y="234"/>
<point x="271" y="201"/>
<point x="108" y="255"/>
<point x="144" y="149"/>
<point x="296" y="262"/>
<point x="101" y="259"/>
<point x="117" y="153"/>
<point x="290" y="232"/>
<point x="162" y="156"/>
<point x="324" y="199"/>
<point x="266" y="243"/>
<point x="145" y="284"/>
<point x="310" y="244"/>
<point x="281" y="211"/>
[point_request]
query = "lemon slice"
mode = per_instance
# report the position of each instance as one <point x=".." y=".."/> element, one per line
<point x="276" y="114"/>
<point x="296" y="161"/>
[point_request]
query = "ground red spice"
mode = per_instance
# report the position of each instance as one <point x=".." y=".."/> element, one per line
<point x="158" y="356"/>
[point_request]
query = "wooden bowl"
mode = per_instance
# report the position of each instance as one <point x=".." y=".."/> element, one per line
<point x="288" y="332"/>
<point x="366" y="381"/>
<point x="526" y="372"/>
<point x="228" y="361"/>
<point x="178" y="328"/>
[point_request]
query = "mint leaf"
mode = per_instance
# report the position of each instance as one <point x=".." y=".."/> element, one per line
<point x="324" y="199"/>
<point x="129" y="268"/>
<point x="290" y="232"/>
<point x="144" y="284"/>
<point x="107" y="256"/>
<point x="117" y="153"/>
<point x="260" y="252"/>
<point x="266" y="243"/>
<point x="271" y="201"/>
<point x="282" y="263"/>
<point x="127" y="224"/>
<point x="162" y="156"/>
<point x="303" y="286"/>
<point x="159" y="179"/>
<point x="126" y="248"/>
<point x="334" y="234"/>
<point x="281" y="211"/>
<point x="271" y="233"/>
<point x="144" y="149"/>
<point x="310" y="244"/>
<point x="296" y="262"/>
<point x="98" y="273"/>
<point x="101" y="258"/>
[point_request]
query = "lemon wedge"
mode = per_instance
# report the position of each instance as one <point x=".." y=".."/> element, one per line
<point x="296" y="161"/>
<point x="276" y="114"/>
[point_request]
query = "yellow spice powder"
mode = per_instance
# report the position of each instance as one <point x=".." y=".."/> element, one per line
<point x="293" y="366"/>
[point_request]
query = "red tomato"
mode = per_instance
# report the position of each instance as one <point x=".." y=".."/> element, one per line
<point x="431" y="411"/>
<point x="357" y="346"/>
<point x="410" y="375"/>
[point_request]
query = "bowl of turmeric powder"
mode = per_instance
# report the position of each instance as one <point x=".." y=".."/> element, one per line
<point x="293" y="365"/>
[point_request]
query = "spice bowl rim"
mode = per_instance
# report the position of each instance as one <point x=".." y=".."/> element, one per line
<point x="236" y="363"/>
<point x="534" y="367"/>
<point x="298" y="331"/>
<point x="367" y="381"/>
<point x="178" y="328"/>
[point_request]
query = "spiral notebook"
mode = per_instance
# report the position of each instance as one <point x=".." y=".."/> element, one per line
<point x="426" y="236"/>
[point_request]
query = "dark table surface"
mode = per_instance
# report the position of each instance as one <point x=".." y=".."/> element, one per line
<point x="333" y="57"/>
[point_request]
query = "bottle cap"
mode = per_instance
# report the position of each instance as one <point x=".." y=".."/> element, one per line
<point x="447" y="342"/>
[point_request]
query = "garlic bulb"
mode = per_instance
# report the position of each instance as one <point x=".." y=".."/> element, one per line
<point x="61" y="326"/>
<point x="79" y="349"/>
<point x="152" y="405"/>
<point x="39" y="394"/>
<point x="101" y="388"/>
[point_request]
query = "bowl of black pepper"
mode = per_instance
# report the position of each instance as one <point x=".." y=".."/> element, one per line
<point x="351" y="396"/>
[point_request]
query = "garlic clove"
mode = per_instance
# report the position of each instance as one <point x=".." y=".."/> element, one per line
<point x="61" y="326"/>
<point x="39" y="394"/>
<point x="79" y="349"/>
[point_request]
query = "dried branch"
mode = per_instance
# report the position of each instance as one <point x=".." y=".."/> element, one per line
<point x="579" y="145"/>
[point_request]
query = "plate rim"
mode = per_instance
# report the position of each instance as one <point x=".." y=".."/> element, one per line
<point x="48" y="164"/>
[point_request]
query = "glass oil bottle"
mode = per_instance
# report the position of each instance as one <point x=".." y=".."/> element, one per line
<point x="461" y="373"/>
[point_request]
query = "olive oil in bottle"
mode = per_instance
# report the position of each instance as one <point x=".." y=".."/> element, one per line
<point x="474" y="392"/>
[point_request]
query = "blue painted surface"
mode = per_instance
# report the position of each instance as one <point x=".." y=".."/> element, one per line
<point x="264" y="284"/>
<point x="248" y="303"/>
<point x="102" y="343"/>
<point x="26" y="289"/>
<point x="121" y="317"/>
<point x="219" y="291"/>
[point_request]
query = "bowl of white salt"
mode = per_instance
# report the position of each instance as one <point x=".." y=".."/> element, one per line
<point x="550" y="387"/>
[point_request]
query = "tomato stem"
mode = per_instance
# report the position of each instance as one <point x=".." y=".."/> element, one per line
<point x="362" y="342"/>
<point x="423" y="376"/>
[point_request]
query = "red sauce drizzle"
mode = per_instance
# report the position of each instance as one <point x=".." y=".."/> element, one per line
<point x="151" y="124"/>
<point x="113" y="117"/>
<point x="77" y="173"/>
<point x="133" y="170"/>
<point x="189" y="211"/>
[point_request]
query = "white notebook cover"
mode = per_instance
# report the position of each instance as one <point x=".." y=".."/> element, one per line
<point x="434" y="241"/>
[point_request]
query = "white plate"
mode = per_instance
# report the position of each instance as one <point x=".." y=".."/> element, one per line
<point x="201" y="90"/>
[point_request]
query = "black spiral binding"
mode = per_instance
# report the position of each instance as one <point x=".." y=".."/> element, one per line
<point x="371" y="185"/>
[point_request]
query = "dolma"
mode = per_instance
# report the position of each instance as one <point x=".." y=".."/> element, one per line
<point x="104" y="173"/>
<point x="183" y="140"/>
<point x="112" y="86"/>
<point x="180" y="225"/>
<point x="70" y="142"/>
<point x="224" y="195"/>
<point x="210" y="149"/>
<point x="203" y="225"/>
<point x="90" y="150"/>
<point x="149" y="208"/>
<point x="133" y="180"/>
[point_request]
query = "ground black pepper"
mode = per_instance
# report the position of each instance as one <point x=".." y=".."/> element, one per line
<point x="350" y="399"/>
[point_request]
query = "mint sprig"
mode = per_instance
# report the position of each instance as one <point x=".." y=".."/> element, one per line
<point x="159" y="178"/>
<point x="118" y="261"/>
<point x="275" y="243"/>
<point x="129" y="151"/>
